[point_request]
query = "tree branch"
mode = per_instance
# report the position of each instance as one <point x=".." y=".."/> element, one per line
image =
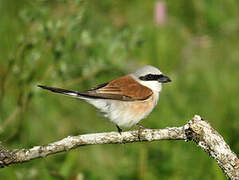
<point x="196" y="130"/>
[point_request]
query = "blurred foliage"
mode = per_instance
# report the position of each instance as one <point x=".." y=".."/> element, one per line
<point x="76" y="44"/>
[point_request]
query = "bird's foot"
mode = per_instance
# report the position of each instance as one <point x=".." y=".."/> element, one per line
<point x="141" y="128"/>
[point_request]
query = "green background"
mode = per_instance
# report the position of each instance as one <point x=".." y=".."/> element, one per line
<point x="77" y="44"/>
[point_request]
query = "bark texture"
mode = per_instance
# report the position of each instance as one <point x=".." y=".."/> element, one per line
<point x="196" y="130"/>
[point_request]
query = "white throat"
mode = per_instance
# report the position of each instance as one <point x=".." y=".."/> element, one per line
<point x="153" y="85"/>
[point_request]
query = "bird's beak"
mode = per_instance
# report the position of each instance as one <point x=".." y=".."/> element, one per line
<point x="164" y="79"/>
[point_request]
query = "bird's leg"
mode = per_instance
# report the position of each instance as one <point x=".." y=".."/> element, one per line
<point x="141" y="128"/>
<point x="119" y="130"/>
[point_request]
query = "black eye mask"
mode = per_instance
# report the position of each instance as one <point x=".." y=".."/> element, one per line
<point x="151" y="77"/>
<point x="155" y="77"/>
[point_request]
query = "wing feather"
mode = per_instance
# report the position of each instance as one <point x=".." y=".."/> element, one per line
<point x="124" y="88"/>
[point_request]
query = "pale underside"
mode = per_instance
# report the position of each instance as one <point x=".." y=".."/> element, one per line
<point x="125" y="113"/>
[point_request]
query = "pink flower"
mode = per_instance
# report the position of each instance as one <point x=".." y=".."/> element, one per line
<point x="160" y="13"/>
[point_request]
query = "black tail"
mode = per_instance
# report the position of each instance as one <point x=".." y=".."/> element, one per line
<point x="61" y="91"/>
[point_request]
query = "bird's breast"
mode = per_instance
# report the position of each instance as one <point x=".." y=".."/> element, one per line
<point x="127" y="114"/>
<point x="143" y="108"/>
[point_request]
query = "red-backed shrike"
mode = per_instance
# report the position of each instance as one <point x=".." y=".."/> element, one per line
<point x="125" y="100"/>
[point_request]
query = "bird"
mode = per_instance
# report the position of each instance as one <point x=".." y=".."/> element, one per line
<point x="126" y="100"/>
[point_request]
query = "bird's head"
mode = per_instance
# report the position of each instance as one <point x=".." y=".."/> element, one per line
<point x="150" y="77"/>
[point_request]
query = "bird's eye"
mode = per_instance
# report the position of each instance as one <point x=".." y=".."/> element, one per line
<point x="150" y="77"/>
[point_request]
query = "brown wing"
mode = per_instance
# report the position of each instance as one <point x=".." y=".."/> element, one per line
<point x="124" y="88"/>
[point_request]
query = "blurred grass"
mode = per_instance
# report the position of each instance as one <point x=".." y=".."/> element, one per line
<point x="77" y="44"/>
